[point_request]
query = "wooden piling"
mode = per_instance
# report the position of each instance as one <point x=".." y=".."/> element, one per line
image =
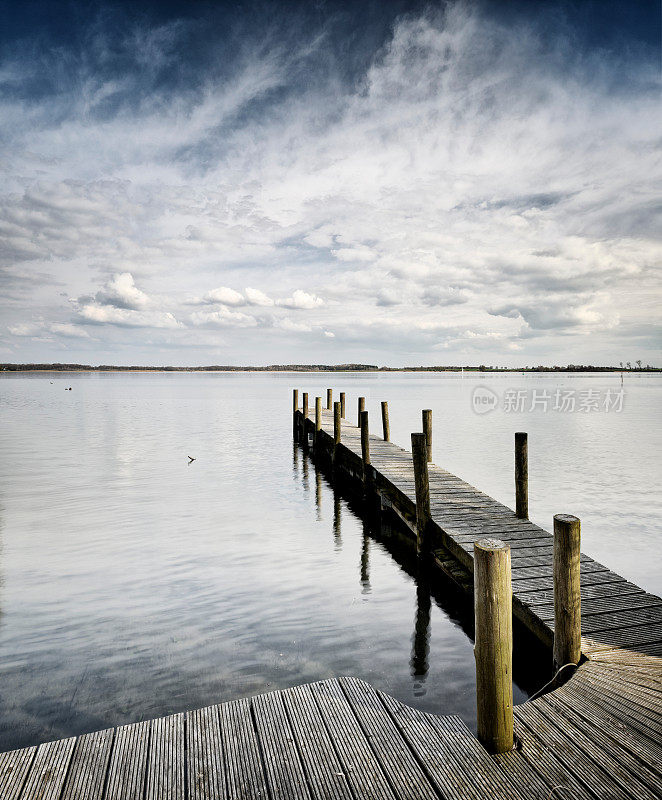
<point x="385" y="425"/>
<point x="304" y="419"/>
<point x="329" y="399"/>
<point x="361" y="409"/>
<point x="567" y="598"/>
<point x="427" y="430"/>
<point x="295" y="400"/>
<point x="318" y="417"/>
<point x="295" y="408"/>
<point x="336" y="425"/>
<point x="342" y="404"/>
<point x="365" y="441"/>
<point x="521" y="475"/>
<point x="422" y="483"/>
<point x="494" y="644"/>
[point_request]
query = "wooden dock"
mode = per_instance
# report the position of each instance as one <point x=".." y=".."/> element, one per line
<point x="598" y="735"/>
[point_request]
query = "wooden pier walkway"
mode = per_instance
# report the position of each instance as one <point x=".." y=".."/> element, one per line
<point x="597" y="736"/>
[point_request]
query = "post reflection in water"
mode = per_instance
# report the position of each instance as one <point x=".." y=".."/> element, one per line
<point x="420" y="650"/>
<point x="365" y="559"/>
<point x="337" y="538"/>
<point x="318" y="492"/>
<point x="295" y="461"/>
<point x="306" y="484"/>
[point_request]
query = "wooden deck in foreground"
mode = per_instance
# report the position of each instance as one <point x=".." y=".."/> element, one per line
<point x="597" y="736"/>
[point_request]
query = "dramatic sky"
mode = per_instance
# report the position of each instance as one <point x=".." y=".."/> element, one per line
<point x="380" y="182"/>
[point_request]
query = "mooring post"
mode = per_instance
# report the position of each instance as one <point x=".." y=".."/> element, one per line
<point x="295" y="408"/>
<point x="521" y="475"/>
<point x="422" y="482"/>
<point x="427" y="430"/>
<point x="336" y="427"/>
<point x="385" y="425"/>
<point x="493" y="606"/>
<point x="365" y="443"/>
<point x="318" y="418"/>
<point x="342" y="404"/>
<point x="567" y="597"/>
<point x="361" y="408"/>
<point x="304" y="432"/>
<point x="329" y="399"/>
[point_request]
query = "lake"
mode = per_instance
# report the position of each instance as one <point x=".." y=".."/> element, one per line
<point x="135" y="584"/>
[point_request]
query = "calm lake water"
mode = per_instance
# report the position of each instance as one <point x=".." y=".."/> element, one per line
<point x="133" y="584"/>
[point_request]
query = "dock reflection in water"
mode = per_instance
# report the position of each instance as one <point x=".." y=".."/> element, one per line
<point x="531" y="661"/>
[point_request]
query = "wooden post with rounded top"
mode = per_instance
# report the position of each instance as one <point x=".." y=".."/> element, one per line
<point x="342" y="404"/>
<point x="385" y="426"/>
<point x="304" y="432"/>
<point x="295" y="408"/>
<point x="567" y="597"/>
<point x="521" y="475"/>
<point x="493" y="606"/>
<point x="422" y="483"/>
<point x="336" y="426"/>
<point x="427" y="430"/>
<point x="318" y="417"/>
<point x="329" y="399"/>
<point x="361" y="408"/>
<point x="365" y="442"/>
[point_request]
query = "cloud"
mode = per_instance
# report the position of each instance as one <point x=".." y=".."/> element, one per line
<point x="226" y="296"/>
<point x="463" y="176"/>
<point x="122" y="292"/>
<point x="301" y="300"/>
<point x="255" y="297"/>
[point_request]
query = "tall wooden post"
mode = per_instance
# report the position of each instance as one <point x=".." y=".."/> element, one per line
<point x="567" y="597"/>
<point x="336" y="426"/>
<point x="493" y="605"/>
<point x="365" y="442"/>
<point x="329" y="399"/>
<point x="385" y="425"/>
<point x="361" y="409"/>
<point x="342" y="404"/>
<point x="304" y="432"/>
<point x="295" y="408"/>
<point x="521" y="475"/>
<point x="427" y="430"/>
<point x="421" y="480"/>
<point x="318" y="417"/>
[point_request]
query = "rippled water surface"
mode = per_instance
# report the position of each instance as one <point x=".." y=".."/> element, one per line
<point x="133" y="584"/>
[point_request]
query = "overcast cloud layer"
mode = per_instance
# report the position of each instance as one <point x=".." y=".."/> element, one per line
<point x="478" y="191"/>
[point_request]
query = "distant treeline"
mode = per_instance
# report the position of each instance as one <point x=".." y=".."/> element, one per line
<point x="318" y="368"/>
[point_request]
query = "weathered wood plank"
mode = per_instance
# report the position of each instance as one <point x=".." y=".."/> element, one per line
<point x="244" y="769"/>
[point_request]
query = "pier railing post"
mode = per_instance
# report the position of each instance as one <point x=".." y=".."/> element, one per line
<point x="567" y="597"/>
<point x="295" y="408"/>
<point x="361" y="409"/>
<point x="342" y="404"/>
<point x="336" y="427"/>
<point x="365" y="444"/>
<point x="304" y="432"/>
<point x="385" y="426"/>
<point x="329" y="399"/>
<point x="421" y="480"/>
<point x="521" y="475"/>
<point x="427" y="430"/>
<point x="493" y="607"/>
<point x="318" y="417"/>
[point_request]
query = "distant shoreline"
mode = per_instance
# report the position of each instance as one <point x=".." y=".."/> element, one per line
<point x="318" y="368"/>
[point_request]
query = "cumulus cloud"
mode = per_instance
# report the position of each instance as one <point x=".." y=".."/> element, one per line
<point x="301" y="300"/>
<point x="255" y="297"/>
<point x="226" y="296"/>
<point x="122" y="292"/>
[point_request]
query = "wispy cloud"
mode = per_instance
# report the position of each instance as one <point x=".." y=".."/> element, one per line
<point x="478" y="187"/>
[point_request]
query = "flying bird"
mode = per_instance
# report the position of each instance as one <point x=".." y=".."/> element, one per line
<point x="191" y="459"/>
